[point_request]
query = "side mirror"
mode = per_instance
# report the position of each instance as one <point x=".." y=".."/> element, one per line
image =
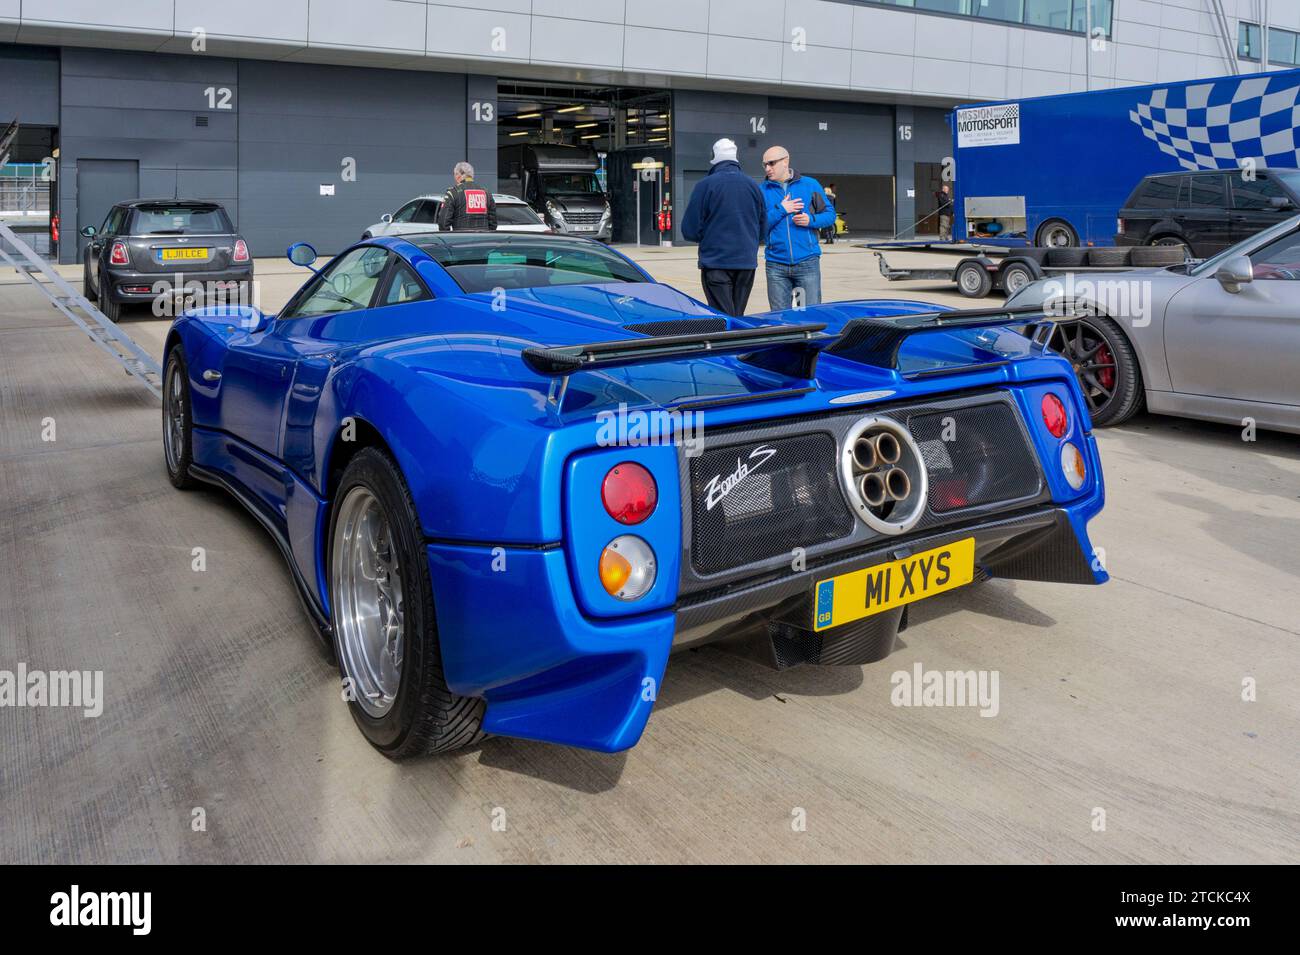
<point x="88" y="232"/>
<point x="1280" y="202"/>
<point x="386" y="218"/>
<point x="300" y="253"/>
<point x="1235" y="273"/>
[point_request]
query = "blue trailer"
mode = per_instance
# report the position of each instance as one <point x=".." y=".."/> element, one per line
<point x="1055" y="170"/>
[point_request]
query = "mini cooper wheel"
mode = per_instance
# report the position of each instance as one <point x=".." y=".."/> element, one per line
<point x="385" y="634"/>
<point x="111" y="308"/>
<point x="178" y="422"/>
<point x="1105" y="365"/>
<point x="88" y="290"/>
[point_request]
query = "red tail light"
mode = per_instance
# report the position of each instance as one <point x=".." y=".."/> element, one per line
<point x="1119" y="226"/>
<point x="629" y="493"/>
<point x="241" y="251"/>
<point x="1054" y="416"/>
<point x="118" y="255"/>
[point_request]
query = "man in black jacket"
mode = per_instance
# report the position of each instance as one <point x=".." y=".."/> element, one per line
<point x="726" y="216"/>
<point x="466" y="207"/>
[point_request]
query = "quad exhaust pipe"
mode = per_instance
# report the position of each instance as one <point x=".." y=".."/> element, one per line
<point x="876" y="488"/>
<point x="869" y="452"/>
<point x="883" y="474"/>
<point x="888" y="448"/>
<point x="897" y="484"/>
<point x="872" y="488"/>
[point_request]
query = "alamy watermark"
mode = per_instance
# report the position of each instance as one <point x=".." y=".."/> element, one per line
<point x="1128" y="299"/>
<point x="656" y="428"/>
<point x="921" y="687"/>
<point x="83" y="689"/>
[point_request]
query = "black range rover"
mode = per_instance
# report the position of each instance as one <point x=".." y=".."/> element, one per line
<point x="1207" y="210"/>
<point x="152" y="247"/>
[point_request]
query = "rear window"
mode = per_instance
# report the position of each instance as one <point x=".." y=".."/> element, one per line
<point x="514" y="214"/>
<point x="481" y="263"/>
<point x="1163" y="192"/>
<point x="180" y="220"/>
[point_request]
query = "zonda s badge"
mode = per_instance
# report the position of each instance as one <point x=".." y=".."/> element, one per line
<point x="719" y="486"/>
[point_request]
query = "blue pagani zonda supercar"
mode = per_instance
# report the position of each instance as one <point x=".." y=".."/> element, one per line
<point x="511" y="474"/>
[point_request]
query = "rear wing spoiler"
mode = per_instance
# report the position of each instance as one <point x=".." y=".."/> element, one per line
<point x="791" y="350"/>
<point x="564" y="360"/>
<point x="877" y="341"/>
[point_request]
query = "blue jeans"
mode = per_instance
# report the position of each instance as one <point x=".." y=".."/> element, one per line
<point x="782" y="280"/>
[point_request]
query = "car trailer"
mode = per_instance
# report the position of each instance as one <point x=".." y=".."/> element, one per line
<point x="977" y="275"/>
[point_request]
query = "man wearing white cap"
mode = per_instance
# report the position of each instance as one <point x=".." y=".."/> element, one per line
<point x="727" y="217"/>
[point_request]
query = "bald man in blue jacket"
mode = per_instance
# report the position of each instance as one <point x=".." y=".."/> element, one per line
<point x="797" y="210"/>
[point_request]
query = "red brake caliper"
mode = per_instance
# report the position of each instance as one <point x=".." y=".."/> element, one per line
<point x="1106" y="376"/>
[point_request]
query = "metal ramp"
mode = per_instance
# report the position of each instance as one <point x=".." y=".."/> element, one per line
<point x="119" y="345"/>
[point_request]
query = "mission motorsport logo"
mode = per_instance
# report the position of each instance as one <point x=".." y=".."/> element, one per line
<point x="989" y="125"/>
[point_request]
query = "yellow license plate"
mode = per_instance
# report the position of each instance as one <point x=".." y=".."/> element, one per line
<point x="171" y="255"/>
<point x="871" y="590"/>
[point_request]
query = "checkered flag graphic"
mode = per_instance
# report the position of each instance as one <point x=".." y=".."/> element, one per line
<point x="1216" y="125"/>
<point x="1011" y="110"/>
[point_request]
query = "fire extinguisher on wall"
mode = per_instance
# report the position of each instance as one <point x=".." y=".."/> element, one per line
<point x="664" y="218"/>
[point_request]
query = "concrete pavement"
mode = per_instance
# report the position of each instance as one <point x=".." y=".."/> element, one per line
<point x="1123" y="700"/>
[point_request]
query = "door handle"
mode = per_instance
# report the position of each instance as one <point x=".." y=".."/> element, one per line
<point x="211" y="375"/>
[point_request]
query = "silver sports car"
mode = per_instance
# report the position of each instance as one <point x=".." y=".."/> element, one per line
<point x="1218" y="340"/>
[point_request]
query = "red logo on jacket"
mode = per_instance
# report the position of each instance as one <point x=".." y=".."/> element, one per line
<point x="476" y="202"/>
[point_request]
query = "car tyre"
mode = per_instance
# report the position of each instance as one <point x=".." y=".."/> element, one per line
<point x="1171" y="242"/>
<point x="1056" y="234"/>
<point x="374" y="524"/>
<point x="1109" y="256"/>
<point x="973" y="280"/>
<point x="88" y="290"/>
<point x="1154" y="256"/>
<point x="1066" y="258"/>
<point x="1096" y="345"/>
<point x="1016" y="276"/>
<point x="111" y="308"/>
<point x="178" y="420"/>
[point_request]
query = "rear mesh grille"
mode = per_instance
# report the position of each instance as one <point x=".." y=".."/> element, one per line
<point x="984" y="460"/>
<point x="679" y="326"/>
<point x="789" y="497"/>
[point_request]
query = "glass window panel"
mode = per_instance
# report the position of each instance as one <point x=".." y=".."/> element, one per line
<point x="1010" y="10"/>
<point x="1208" y="192"/>
<point x="1101" y="15"/>
<point x="944" y="6"/>
<point x="1248" y="40"/>
<point x="1048" y="13"/>
<point x="1281" y="46"/>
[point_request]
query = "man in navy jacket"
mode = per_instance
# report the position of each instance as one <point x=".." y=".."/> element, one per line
<point x="726" y="217"/>
<point x="797" y="208"/>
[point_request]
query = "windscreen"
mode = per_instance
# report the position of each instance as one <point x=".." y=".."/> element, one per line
<point x="570" y="183"/>
<point x="509" y="213"/>
<point x="180" y="220"/>
<point x="484" y="263"/>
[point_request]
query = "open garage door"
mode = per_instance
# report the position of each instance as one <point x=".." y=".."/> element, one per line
<point x="865" y="202"/>
<point x="554" y="138"/>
